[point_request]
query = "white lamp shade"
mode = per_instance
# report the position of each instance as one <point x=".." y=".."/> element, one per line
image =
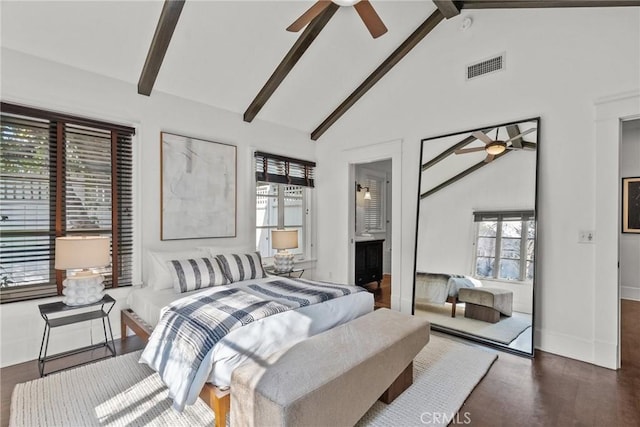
<point x="284" y="239"/>
<point x="82" y="252"/>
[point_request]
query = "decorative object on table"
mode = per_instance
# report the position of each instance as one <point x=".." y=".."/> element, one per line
<point x="631" y="205"/>
<point x="283" y="240"/>
<point x="82" y="252"/>
<point x="198" y="188"/>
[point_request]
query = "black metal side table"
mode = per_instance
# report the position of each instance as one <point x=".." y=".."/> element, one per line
<point x="46" y="310"/>
<point x="298" y="271"/>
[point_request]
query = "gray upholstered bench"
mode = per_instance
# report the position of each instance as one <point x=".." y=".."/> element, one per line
<point x="333" y="378"/>
<point x="486" y="304"/>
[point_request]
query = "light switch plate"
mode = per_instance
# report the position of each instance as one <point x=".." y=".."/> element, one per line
<point x="586" y="236"/>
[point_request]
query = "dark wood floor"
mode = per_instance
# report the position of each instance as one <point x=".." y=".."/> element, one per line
<point x="547" y="391"/>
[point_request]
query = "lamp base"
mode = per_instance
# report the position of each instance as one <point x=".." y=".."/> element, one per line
<point x="283" y="261"/>
<point x="83" y="289"/>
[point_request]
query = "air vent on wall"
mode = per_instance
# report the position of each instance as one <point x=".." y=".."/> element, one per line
<point x="486" y="66"/>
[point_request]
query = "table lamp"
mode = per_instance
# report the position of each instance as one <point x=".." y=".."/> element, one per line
<point x="82" y="252"/>
<point x="283" y="240"/>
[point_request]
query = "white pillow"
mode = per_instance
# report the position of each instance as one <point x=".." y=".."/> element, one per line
<point x="159" y="274"/>
<point x="196" y="273"/>
<point x="238" y="267"/>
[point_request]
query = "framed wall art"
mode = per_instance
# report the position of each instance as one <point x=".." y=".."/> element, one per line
<point x="631" y="205"/>
<point x="198" y="184"/>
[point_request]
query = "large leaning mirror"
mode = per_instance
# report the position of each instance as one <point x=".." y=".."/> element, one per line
<point x="476" y="234"/>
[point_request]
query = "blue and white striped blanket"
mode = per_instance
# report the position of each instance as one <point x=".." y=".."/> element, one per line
<point x="191" y="326"/>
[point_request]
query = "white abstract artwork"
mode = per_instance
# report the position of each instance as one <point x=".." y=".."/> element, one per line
<point x="198" y="188"/>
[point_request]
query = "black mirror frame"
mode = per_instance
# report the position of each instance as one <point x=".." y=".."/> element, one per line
<point x="458" y="333"/>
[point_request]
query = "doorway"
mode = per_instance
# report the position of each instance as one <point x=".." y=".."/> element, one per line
<point x="372" y="229"/>
<point x="629" y="250"/>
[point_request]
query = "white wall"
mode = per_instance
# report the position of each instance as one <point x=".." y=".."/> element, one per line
<point x="630" y="243"/>
<point x="559" y="62"/>
<point x="44" y="84"/>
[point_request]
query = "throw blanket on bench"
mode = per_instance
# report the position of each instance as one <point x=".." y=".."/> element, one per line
<point x="190" y="327"/>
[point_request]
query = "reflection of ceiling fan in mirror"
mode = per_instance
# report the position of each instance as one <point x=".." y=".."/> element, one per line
<point x="494" y="147"/>
<point x="368" y="14"/>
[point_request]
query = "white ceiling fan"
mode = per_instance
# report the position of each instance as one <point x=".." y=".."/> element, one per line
<point x="493" y="147"/>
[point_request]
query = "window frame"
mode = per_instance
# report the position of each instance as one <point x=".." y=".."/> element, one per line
<point x="525" y="218"/>
<point x="304" y="226"/>
<point x="122" y="162"/>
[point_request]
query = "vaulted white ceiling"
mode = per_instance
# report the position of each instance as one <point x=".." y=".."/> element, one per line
<point x="222" y="52"/>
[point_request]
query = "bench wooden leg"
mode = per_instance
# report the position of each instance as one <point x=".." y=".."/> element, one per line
<point x="219" y="401"/>
<point x="454" y="302"/>
<point x="404" y="380"/>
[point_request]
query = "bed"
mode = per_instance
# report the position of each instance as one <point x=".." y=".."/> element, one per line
<point x="438" y="288"/>
<point x="254" y="340"/>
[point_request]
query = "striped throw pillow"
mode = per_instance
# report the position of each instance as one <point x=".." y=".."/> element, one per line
<point x="197" y="273"/>
<point x="239" y="267"/>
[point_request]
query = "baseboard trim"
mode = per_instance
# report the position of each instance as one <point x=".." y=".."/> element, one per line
<point x="598" y="353"/>
<point x="627" y="292"/>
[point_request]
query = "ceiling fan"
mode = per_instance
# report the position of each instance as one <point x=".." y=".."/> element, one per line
<point x="368" y="14"/>
<point x="493" y="147"/>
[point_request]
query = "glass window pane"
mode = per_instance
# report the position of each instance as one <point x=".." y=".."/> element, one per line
<point x="484" y="267"/>
<point x="531" y="229"/>
<point x="530" y="249"/>
<point x="530" y="270"/>
<point x="509" y="269"/>
<point x="293" y="206"/>
<point x="266" y="211"/>
<point x="263" y="242"/>
<point x="486" y="247"/>
<point x="511" y="228"/>
<point x="510" y="248"/>
<point x="266" y="189"/>
<point x="487" y="228"/>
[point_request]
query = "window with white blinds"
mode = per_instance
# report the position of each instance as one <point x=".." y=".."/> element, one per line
<point x="60" y="175"/>
<point x="374" y="213"/>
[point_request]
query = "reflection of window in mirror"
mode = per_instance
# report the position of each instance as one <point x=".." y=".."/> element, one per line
<point x="504" y="245"/>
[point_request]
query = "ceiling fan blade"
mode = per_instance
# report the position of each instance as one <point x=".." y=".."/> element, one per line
<point x="469" y="150"/>
<point x="370" y="18"/>
<point x="528" y="131"/>
<point x="308" y="16"/>
<point x="489" y="158"/>
<point x="482" y="137"/>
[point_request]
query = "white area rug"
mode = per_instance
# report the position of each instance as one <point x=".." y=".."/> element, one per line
<point x="505" y="331"/>
<point x="119" y="392"/>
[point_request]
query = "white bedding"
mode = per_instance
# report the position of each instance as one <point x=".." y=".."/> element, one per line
<point x="263" y="337"/>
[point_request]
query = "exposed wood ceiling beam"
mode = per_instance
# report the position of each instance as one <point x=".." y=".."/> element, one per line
<point x="164" y="31"/>
<point x="289" y="61"/>
<point x="461" y="175"/>
<point x="415" y="38"/>
<point x="449" y="8"/>
<point x="533" y="4"/>
<point x="513" y="131"/>
<point x="446" y="153"/>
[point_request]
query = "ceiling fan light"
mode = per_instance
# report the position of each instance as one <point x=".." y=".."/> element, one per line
<point x="345" y="2"/>
<point x="496" y="148"/>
